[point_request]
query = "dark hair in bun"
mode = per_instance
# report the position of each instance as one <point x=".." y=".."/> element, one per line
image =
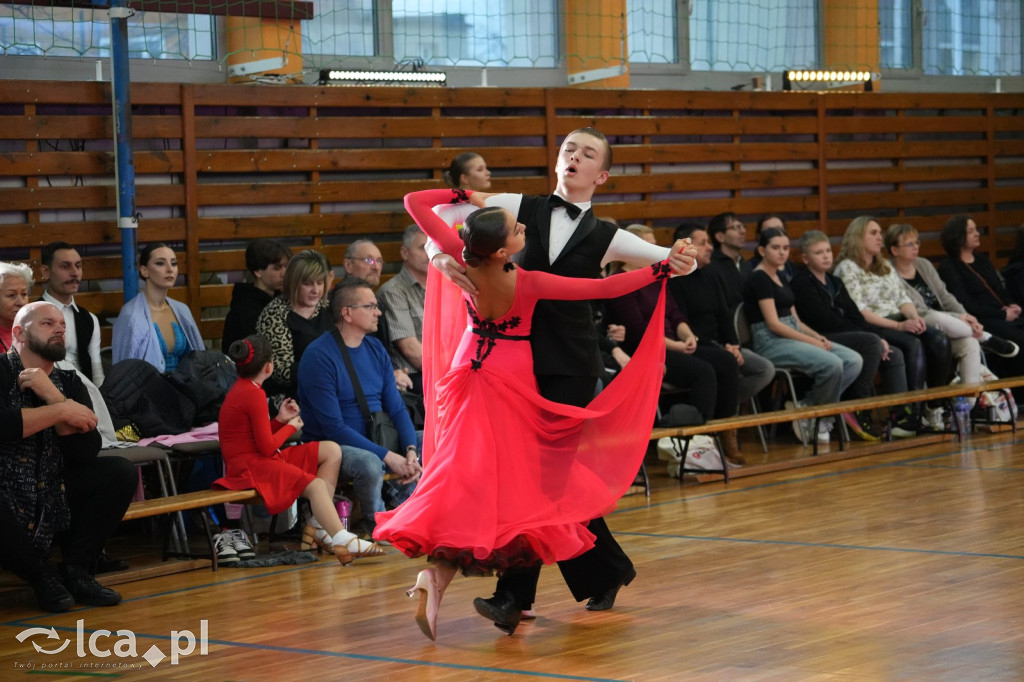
<point x="483" y="233"/>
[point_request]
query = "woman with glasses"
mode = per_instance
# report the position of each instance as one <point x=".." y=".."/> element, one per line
<point x="294" y="320"/>
<point x="938" y="307"/>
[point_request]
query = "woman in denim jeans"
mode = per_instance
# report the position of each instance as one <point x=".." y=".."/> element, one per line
<point x="779" y="335"/>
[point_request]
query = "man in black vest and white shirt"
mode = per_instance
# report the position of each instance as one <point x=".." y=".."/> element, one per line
<point x="563" y="237"/>
<point x="61" y="268"/>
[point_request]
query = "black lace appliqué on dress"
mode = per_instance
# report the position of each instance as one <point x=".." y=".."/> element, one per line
<point x="488" y="333"/>
<point x="661" y="270"/>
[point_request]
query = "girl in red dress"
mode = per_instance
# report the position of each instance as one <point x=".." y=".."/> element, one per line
<point x="511" y="479"/>
<point x="251" y="446"/>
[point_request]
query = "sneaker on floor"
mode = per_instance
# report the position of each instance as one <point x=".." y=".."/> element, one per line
<point x="859" y="429"/>
<point x="84" y="588"/>
<point x="243" y="548"/>
<point x="801" y="427"/>
<point x="933" y="418"/>
<point x="1000" y="347"/>
<point x="824" y="431"/>
<point x="224" y="548"/>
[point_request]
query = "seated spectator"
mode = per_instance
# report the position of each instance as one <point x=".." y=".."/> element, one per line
<point x="729" y="237"/>
<point x="778" y="334"/>
<point x="939" y="308"/>
<point x="402" y="298"/>
<point x="253" y="456"/>
<point x="61" y="268"/>
<point x="53" y="487"/>
<point x="332" y="411"/>
<point x="776" y="221"/>
<point x="823" y="302"/>
<point x="700" y="299"/>
<point x="294" y="320"/>
<point x="152" y="326"/>
<point x="363" y="261"/>
<point x="877" y="290"/>
<point x="712" y="373"/>
<point x="1013" y="272"/>
<point x="266" y="260"/>
<point x="972" y="279"/>
<point x="468" y="170"/>
<point x="15" y="285"/>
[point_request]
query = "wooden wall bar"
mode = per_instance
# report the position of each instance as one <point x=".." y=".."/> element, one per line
<point x="217" y="165"/>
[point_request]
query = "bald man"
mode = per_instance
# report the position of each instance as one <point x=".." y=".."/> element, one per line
<point x="53" y="487"/>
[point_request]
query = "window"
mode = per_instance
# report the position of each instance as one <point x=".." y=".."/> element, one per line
<point x="895" y="23"/>
<point x="496" y="33"/>
<point x="972" y="37"/>
<point x="653" y="34"/>
<point x="76" y="32"/>
<point x="747" y="35"/>
<point x="343" y="28"/>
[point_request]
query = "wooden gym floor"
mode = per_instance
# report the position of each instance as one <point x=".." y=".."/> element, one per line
<point x="906" y="565"/>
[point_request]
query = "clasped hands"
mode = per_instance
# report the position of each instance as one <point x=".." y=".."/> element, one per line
<point x="289" y="413"/>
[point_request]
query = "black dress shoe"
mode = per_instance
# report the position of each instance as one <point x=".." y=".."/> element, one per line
<point x="105" y="564"/>
<point x="502" y="609"/>
<point x="86" y="590"/>
<point x="50" y="591"/>
<point x="607" y="600"/>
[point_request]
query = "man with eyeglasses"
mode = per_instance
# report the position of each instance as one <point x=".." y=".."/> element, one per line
<point x="330" y="410"/>
<point x="363" y="260"/>
<point x="729" y="237"/>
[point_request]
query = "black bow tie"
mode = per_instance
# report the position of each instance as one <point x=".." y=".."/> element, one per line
<point x="554" y="201"/>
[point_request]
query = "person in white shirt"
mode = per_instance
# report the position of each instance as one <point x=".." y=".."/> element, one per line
<point x="61" y="269"/>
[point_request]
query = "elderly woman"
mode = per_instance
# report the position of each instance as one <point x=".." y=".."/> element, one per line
<point x="877" y="290"/>
<point x="939" y="308"/>
<point x="152" y="326"/>
<point x="15" y="283"/>
<point x="972" y="279"/>
<point x="295" y="319"/>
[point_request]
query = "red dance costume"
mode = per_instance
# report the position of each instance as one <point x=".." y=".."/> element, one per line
<point x="250" y="443"/>
<point x="512" y="478"/>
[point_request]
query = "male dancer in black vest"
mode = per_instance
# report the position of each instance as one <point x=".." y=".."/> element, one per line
<point x="61" y="268"/>
<point x="563" y="237"/>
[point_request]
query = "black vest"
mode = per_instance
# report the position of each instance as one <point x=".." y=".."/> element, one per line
<point x="564" y="337"/>
<point x="83" y="335"/>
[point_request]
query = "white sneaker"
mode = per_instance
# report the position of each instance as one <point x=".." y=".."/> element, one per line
<point x="224" y="548"/>
<point x="824" y="431"/>
<point x="243" y="548"/>
<point x="801" y="427"/>
<point x="934" y="418"/>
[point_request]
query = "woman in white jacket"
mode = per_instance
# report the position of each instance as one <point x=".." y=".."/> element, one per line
<point x="938" y="307"/>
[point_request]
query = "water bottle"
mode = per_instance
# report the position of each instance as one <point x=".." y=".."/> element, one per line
<point x="344" y="508"/>
<point x="962" y="417"/>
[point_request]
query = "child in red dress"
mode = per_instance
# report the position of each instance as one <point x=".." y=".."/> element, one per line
<point x="251" y="446"/>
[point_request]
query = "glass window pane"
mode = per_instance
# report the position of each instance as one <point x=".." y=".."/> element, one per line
<point x="749" y="35"/>
<point x="496" y="33"/>
<point x="895" y="23"/>
<point x="73" y="32"/>
<point x="653" y="35"/>
<point x="972" y="37"/>
<point x="342" y="28"/>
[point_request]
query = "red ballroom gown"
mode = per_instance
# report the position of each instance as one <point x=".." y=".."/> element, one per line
<point x="511" y="478"/>
<point x="250" y="443"/>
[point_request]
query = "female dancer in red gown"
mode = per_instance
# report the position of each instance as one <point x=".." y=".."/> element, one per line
<point x="513" y="478"/>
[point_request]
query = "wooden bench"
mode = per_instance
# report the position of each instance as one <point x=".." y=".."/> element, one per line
<point x="200" y="501"/>
<point x="816" y="412"/>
